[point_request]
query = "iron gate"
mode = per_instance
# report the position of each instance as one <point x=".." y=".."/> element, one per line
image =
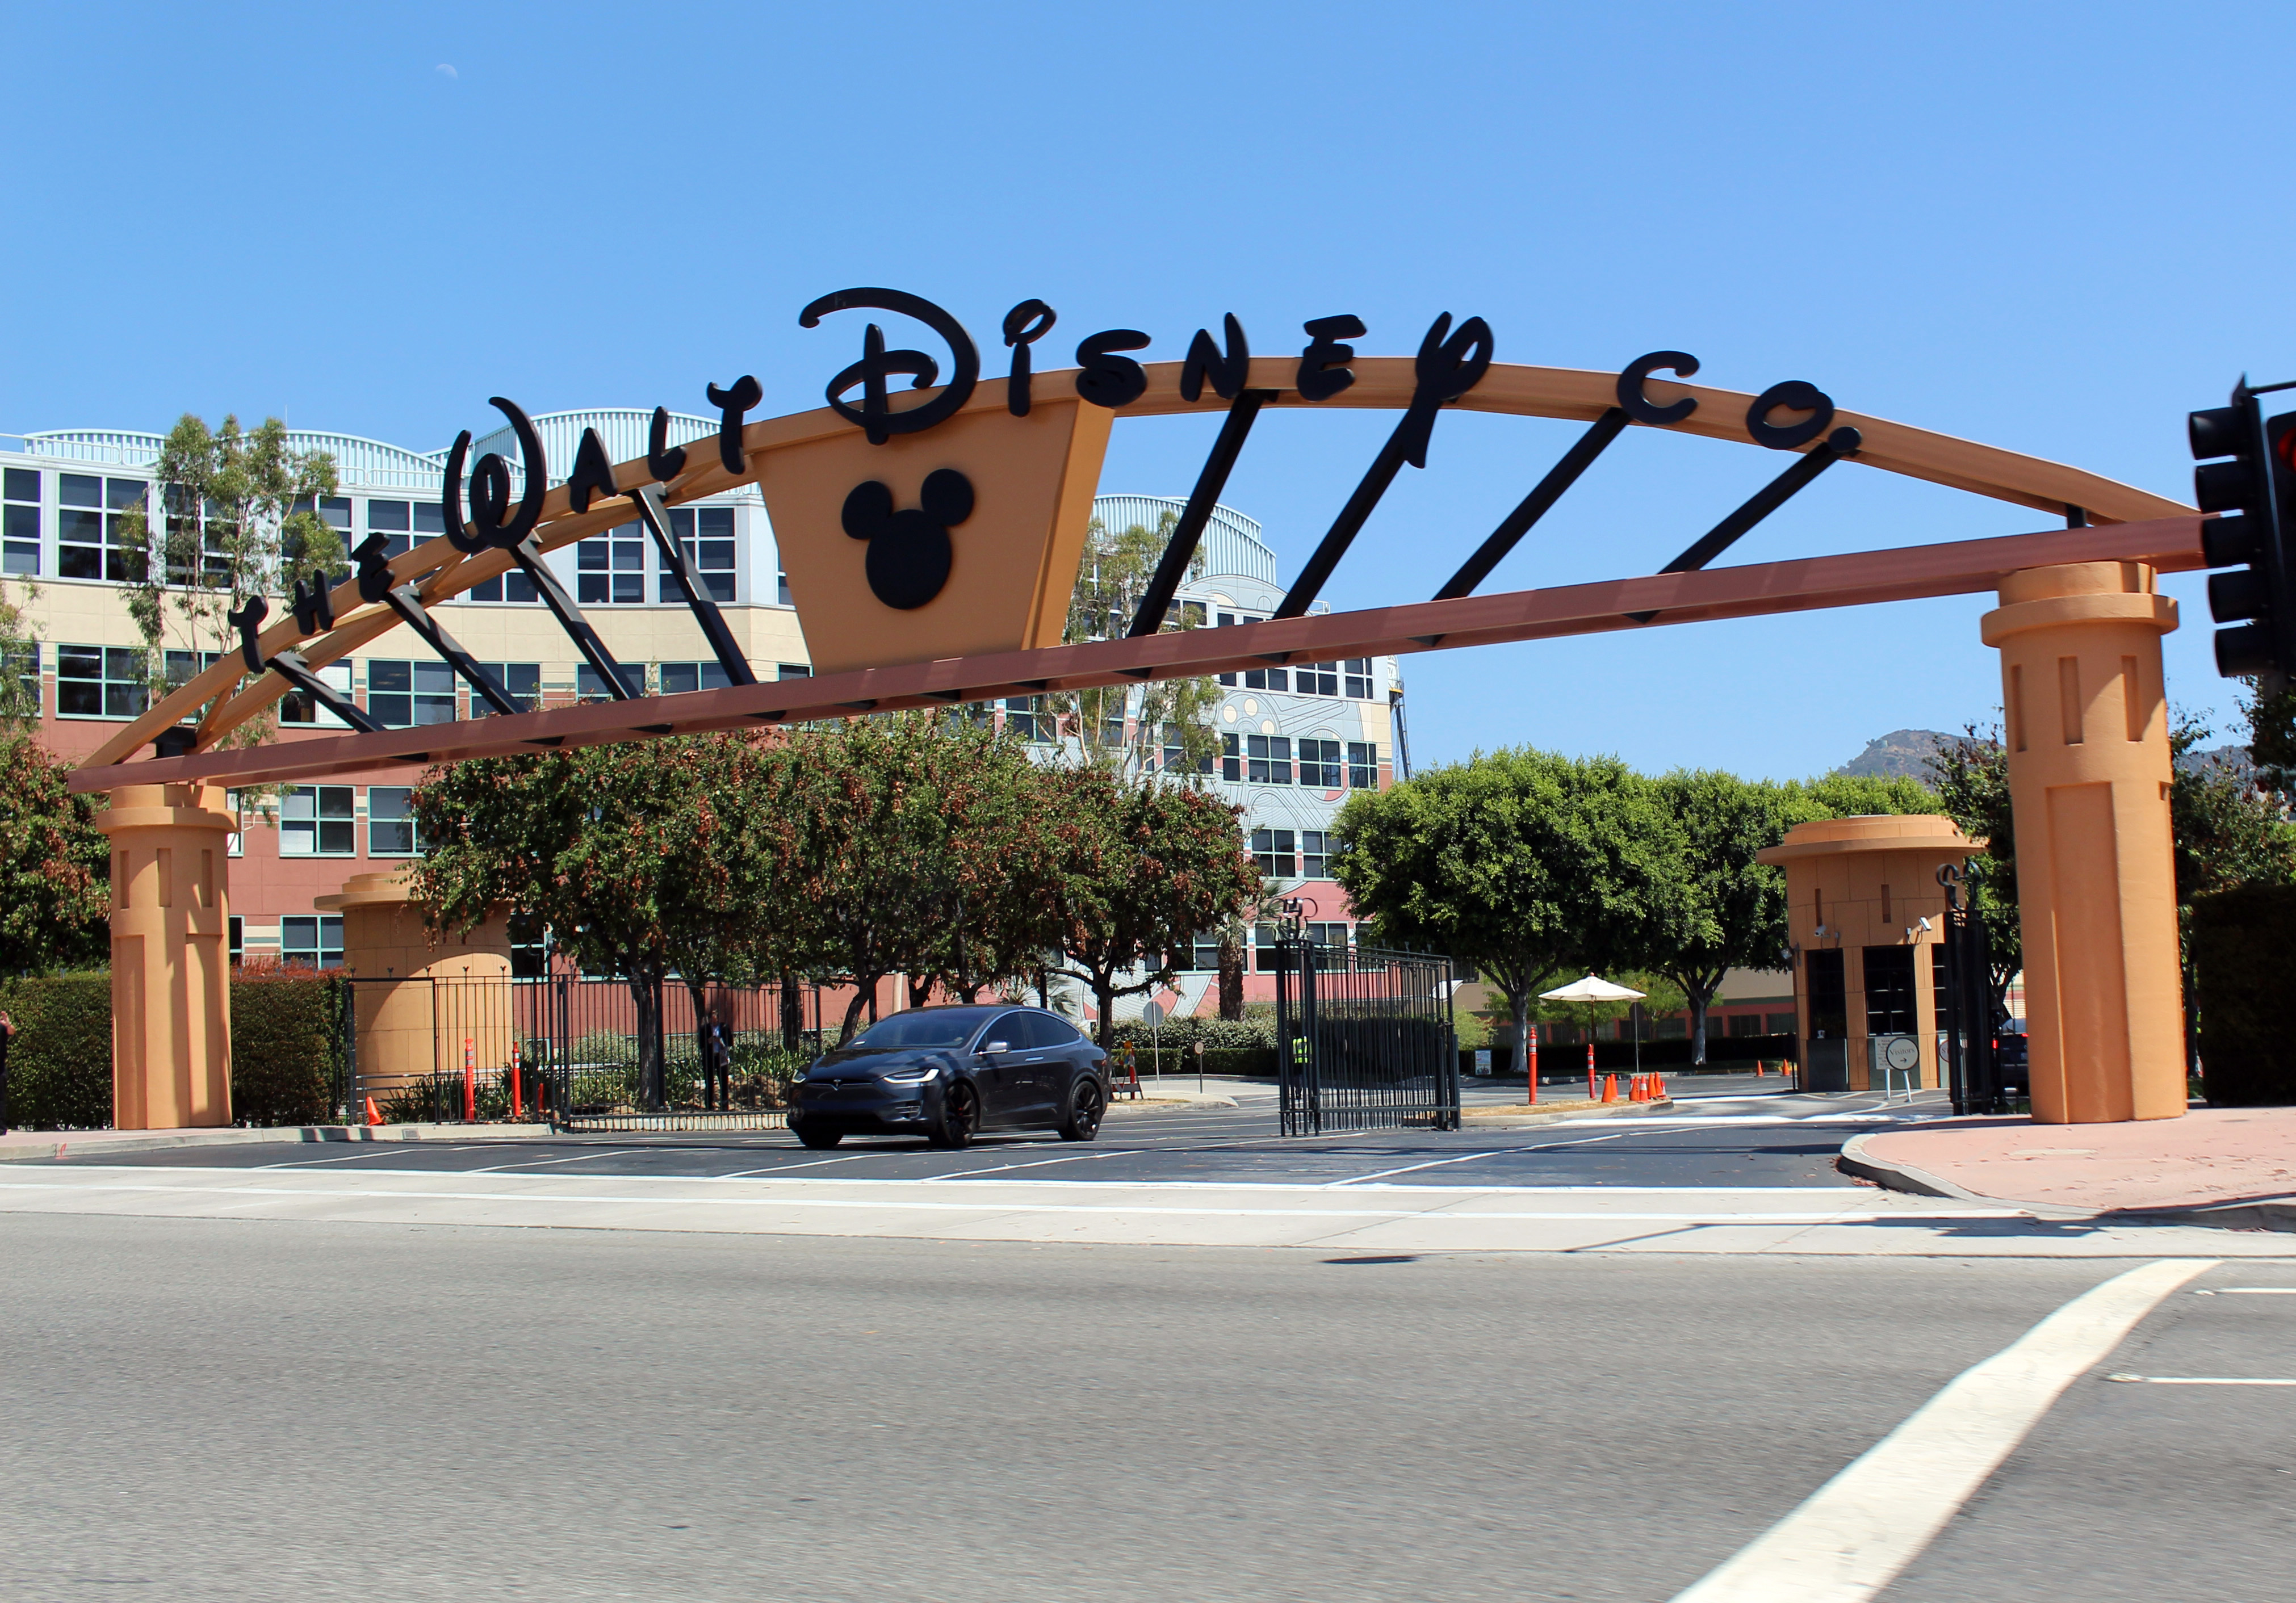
<point x="1970" y="1030"/>
<point x="1364" y="1039"/>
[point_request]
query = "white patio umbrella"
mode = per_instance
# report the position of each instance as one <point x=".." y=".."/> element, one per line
<point x="1595" y="989"/>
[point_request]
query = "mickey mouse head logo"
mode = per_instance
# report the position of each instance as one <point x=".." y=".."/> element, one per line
<point x="909" y="552"/>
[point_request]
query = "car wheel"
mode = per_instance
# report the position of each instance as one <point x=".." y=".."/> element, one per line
<point x="819" y="1138"/>
<point x="1086" y="1105"/>
<point x="960" y="1116"/>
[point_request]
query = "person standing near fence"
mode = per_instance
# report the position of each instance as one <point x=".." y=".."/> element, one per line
<point x="718" y="1071"/>
<point x="7" y="1028"/>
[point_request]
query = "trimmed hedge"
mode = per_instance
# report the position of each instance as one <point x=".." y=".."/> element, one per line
<point x="60" y="1062"/>
<point x="286" y="1055"/>
<point x="1218" y="1034"/>
<point x="286" y="1046"/>
<point x="2244" y="973"/>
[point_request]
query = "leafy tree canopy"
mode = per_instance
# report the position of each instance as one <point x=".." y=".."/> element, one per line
<point x="55" y="868"/>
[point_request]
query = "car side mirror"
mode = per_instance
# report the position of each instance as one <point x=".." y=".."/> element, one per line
<point x="997" y="1046"/>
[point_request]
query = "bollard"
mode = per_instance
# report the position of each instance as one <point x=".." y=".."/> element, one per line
<point x="517" y="1090"/>
<point x="1533" y="1076"/>
<point x="470" y="1081"/>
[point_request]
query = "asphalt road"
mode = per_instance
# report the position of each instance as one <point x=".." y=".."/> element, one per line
<point x="1785" y="1140"/>
<point x="234" y="1409"/>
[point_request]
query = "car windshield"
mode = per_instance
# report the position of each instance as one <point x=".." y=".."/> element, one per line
<point x="927" y="1027"/>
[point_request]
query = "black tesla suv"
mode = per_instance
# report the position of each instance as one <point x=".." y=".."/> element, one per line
<point x="948" y="1074"/>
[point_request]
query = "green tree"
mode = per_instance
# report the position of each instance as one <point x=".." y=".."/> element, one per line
<point x="237" y="518"/>
<point x="645" y="860"/>
<point x="1972" y="774"/>
<point x="55" y="878"/>
<point x="1162" y="726"/>
<point x="917" y="853"/>
<point x="1144" y="864"/>
<point x="1524" y="863"/>
<point x="19" y="678"/>
<point x="2270" y="709"/>
<point x="1738" y="905"/>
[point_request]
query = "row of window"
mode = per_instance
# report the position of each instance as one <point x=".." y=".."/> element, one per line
<point x="312" y="941"/>
<point x="1350" y="679"/>
<point x="1293" y="854"/>
<point x="1203" y="956"/>
<point x="92" y="513"/>
<point x="108" y="682"/>
<point x="1321" y="765"/>
<point x="322" y="821"/>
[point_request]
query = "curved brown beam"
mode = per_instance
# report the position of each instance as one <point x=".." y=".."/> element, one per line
<point x="1859" y="578"/>
<point x="1381" y="382"/>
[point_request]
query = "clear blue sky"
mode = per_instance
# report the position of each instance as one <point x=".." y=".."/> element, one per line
<point x="2056" y="229"/>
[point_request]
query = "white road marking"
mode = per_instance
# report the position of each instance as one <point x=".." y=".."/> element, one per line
<point x="1855" y="1534"/>
<point x="1072" y="1158"/>
<point x="2256" y="1290"/>
<point x="542" y="1163"/>
<point x="307" y="1162"/>
<point x="1468" y="1157"/>
<point x="2197" y="1380"/>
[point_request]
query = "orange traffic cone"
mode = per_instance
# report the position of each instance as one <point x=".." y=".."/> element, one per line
<point x="1661" y="1089"/>
<point x="373" y="1116"/>
<point x="1610" y="1088"/>
<point x="1758" y="1071"/>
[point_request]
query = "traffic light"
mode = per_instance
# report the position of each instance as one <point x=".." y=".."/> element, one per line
<point x="2254" y="489"/>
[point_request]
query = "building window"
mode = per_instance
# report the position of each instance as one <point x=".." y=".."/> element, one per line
<point x="394" y="520"/>
<point x="522" y="680"/>
<point x="235" y="805"/>
<point x="1274" y="851"/>
<point x="390" y="822"/>
<point x="1317" y="679"/>
<point x="405" y="695"/>
<point x="590" y="685"/>
<point x="238" y="939"/>
<point x="184" y="666"/>
<point x="296" y="707"/>
<point x="203" y="535"/>
<point x="1022" y="719"/>
<point x="100" y="682"/>
<point x="511" y="586"/>
<point x="1358" y="678"/>
<point x="1316" y="849"/>
<point x="781" y="589"/>
<point x="1199" y="956"/>
<point x="92" y="527"/>
<point x="1265" y="679"/>
<point x="529" y="947"/>
<point x="1319" y="764"/>
<point x="1362" y="765"/>
<point x="1780" y="1024"/>
<point x="1184" y="615"/>
<point x="1331" y="936"/>
<point x="1269" y="759"/>
<point x="315" y="821"/>
<point x="19" y="523"/>
<point x="792" y="670"/>
<point x="611" y="568"/>
<point x="313" y="942"/>
<point x="1263" y="941"/>
<point x="705" y="533"/>
<point x="1232" y="757"/>
<point x="335" y="512"/>
<point x="1227" y="620"/>
<point x="679" y="676"/>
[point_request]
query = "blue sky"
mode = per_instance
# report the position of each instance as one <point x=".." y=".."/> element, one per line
<point x="2056" y="229"/>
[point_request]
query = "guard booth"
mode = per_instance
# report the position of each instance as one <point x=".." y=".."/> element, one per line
<point x="1867" y="920"/>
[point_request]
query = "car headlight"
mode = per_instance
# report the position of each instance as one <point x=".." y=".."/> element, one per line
<point x="911" y="1076"/>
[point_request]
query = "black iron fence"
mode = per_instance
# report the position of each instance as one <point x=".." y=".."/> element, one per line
<point x="1364" y="1039"/>
<point x="584" y="1053"/>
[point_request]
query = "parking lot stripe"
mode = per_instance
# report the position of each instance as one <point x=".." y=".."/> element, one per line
<point x="1468" y="1157"/>
<point x="1855" y="1534"/>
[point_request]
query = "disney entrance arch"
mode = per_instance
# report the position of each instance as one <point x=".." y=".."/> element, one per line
<point x="932" y="537"/>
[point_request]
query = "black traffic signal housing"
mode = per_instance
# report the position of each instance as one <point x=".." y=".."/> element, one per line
<point x="2254" y="489"/>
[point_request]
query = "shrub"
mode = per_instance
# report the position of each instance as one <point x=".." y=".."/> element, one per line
<point x="60" y="1062"/>
<point x="2244" y="967"/>
<point x="1253" y="1030"/>
<point x="286" y="1045"/>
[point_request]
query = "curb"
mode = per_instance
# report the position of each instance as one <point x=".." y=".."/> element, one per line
<point x="1145" y="1104"/>
<point x="1529" y="1118"/>
<point x="93" y="1143"/>
<point x="1857" y="1160"/>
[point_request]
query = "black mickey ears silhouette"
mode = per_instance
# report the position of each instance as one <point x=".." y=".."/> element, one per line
<point x="909" y="551"/>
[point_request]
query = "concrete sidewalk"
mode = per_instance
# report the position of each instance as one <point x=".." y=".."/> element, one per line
<point x="32" y="1146"/>
<point x="2231" y="1166"/>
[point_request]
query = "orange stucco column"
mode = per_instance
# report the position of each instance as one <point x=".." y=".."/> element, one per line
<point x="2088" y="781"/>
<point x="415" y="1003"/>
<point x="170" y="956"/>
